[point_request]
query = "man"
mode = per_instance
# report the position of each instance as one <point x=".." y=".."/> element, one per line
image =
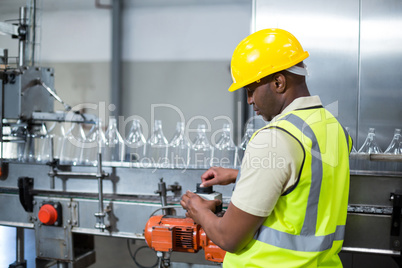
<point x="289" y="205"/>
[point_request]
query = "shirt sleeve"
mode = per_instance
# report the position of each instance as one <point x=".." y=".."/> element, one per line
<point x="271" y="164"/>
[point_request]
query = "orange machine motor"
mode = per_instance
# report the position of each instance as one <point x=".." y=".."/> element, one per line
<point x="169" y="233"/>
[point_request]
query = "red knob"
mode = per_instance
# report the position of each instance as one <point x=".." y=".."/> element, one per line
<point x="47" y="214"/>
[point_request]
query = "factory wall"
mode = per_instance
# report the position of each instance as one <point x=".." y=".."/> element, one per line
<point x="354" y="63"/>
<point x="175" y="60"/>
<point x="176" y="56"/>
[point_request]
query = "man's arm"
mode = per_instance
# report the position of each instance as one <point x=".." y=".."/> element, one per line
<point x="232" y="232"/>
<point x="219" y="176"/>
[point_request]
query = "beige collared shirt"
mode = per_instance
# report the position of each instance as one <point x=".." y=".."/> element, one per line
<point x="271" y="165"/>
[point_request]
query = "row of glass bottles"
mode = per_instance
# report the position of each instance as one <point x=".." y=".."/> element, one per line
<point x="180" y="152"/>
<point x="75" y="147"/>
<point x="78" y="148"/>
<point x="370" y="146"/>
<point x="26" y="146"/>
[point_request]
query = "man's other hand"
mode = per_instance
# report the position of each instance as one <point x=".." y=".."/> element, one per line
<point x="218" y="176"/>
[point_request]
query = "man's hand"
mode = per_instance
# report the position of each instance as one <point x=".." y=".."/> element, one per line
<point x="218" y="176"/>
<point x="231" y="232"/>
<point x="196" y="205"/>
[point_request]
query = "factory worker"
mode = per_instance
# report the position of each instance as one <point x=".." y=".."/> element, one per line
<point x="289" y="204"/>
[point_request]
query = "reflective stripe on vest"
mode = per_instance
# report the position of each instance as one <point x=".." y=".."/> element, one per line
<point x="310" y="243"/>
<point x="307" y="240"/>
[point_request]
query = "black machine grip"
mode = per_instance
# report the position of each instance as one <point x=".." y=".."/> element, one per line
<point x="25" y="186"/>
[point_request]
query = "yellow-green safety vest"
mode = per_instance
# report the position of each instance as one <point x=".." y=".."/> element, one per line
<point x="307" y="225"/>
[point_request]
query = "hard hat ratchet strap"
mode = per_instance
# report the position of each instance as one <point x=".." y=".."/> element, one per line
<point x="298" y="70"/>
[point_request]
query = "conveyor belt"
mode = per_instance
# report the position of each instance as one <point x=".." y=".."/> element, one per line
<point x="66" y="194"/>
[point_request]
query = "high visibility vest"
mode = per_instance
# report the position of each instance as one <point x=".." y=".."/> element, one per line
<point x="307" y="225"/>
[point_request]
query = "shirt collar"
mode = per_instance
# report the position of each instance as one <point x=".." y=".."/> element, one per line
<point x="300" y="103"/>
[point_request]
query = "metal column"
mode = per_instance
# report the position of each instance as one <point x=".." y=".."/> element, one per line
<point x="116" y="67"/>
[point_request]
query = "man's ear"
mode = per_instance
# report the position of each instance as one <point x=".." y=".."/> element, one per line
<point x="279" y="81"/>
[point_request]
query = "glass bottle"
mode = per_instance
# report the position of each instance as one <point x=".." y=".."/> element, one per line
<point x="224" y="154"/>
<point x="156" y="147"/>
<point x="394" y="146"/>
<point x="14" y="139"/>
<point x="71" y="149"/>
<point x="135" y="143"/>
<point x="179" y="148"/>
<point x="201" y="150"/>
<point x="38" y="146"/>
<point x="18" y="134"/>
<point x="243" y="144"/>
<point x="57" y="133"/>
<point x="370" y="145"/>
<point x="43" y="148"/>
<point x="113" y="149"/>
<point x="91" y="146"/>
<point x="29" y="149"/>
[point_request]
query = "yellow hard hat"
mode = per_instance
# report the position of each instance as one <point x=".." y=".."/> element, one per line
<point x="263" y="53"/>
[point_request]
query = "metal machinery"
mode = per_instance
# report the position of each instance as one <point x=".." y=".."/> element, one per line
<point x="165" y="234"/>
<point x="67" y="205"/>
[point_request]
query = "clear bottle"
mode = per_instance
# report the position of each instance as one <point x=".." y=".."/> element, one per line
<point x="37" y="146"/>
<point x="43" y="147"/>
<point x="14" y="140"/>
<point x="29" y="149"/>
<point x="135" y="143"/>
<point x="201" y="151"/>
<point x="179" y="148"/>
<point x="224" y="154"/>
<point x="156" y="147"/>
<point x="394" y="146"/>
<point x="72" y="145"/>
<point x="20" y="134"/>
<point x="91" y="146"/>
<point x="370" y="145"/>
<point x="113" y="149"/>
<point x="57" y="133"/>
<point x="243" y="144"/>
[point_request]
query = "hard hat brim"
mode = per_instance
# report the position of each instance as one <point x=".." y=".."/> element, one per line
<point x="264" y="73"/>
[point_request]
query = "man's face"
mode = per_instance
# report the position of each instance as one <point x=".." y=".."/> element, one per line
<point x="263" y="97"/>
